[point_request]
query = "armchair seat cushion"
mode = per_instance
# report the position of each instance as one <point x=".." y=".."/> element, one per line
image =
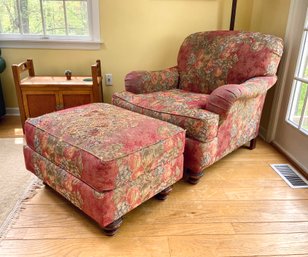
<point x="182" y="108"/>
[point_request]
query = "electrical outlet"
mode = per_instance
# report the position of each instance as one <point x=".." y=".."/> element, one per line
<point x="108" y="79"/>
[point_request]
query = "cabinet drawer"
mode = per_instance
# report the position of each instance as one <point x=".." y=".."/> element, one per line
<point x="39" y="103"/>
<point x="75" y="98"/>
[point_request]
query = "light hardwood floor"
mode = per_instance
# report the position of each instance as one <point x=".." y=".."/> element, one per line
<point x="241" y="207"/>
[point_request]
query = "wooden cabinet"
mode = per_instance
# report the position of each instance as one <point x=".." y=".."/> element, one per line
<point x="38" y="95"/>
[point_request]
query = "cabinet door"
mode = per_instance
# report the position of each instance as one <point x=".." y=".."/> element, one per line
<point x="37" y="103"/>
<point x="75" y="98"/>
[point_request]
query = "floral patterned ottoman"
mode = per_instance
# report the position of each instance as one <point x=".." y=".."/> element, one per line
<point x="104" y="159"/>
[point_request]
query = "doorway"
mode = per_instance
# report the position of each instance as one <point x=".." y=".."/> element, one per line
<point x="290" y="129"/>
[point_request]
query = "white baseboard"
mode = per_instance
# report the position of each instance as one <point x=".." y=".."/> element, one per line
<point x="12" y="112"/>
<point x="290" y="156"/>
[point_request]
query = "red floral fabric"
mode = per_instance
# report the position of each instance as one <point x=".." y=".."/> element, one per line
<point x="222" y="98"/>
<point x="103" y="145"/>
<point x="199" y="155"/>
<point x="208" y="60"/>
<point x="239" y="127"/>
<point x="236" y="129"/>
<point x="104" y="207"/>
<point x="141" y="82"/>
<point x="179" y="107"/>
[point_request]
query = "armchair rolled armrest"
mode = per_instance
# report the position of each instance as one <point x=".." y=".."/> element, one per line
<point x="140" y="82"/>
<point x="222" y="98"/>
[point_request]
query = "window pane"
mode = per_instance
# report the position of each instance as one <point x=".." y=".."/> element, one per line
<point x="305" y="120"/>
<point x="9" y="22"/>
<point x="77" y="18"/>
<point x="23" y="22"/>
<point x="31" y="18"/>
<point x="298" y="102"/>
<point x="303" y="69"/>
<point x="54" y="17"/>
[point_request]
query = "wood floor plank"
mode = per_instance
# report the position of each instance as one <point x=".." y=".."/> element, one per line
<point x="240" y="171"/>
<point x="128" y="229"/>
<point x="270" y="228"/>
<point x="238" y="183"/>
<point x="239" y="245"/>
<point x="236" y="191"/>
<point x="10" y="127"/>
<point x="176" y="212"/>
<point x="94" y="247"/>
<point x="263" y="193"/>
<point x="288" y="255"/>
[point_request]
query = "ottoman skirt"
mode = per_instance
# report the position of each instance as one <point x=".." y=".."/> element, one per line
<point x="108" y="206"/>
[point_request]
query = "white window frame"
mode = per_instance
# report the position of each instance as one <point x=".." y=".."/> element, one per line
<point x="298" y="79"/>
<point x="59" y="42"/>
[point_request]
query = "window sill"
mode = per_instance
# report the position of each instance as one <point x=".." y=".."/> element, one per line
<point x="294" y="125"/>
<point x="54" y="44"/>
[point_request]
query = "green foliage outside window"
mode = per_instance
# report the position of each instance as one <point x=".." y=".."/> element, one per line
<point x="59" y="17"/>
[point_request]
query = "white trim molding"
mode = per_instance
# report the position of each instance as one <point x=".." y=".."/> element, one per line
<point x="43" y="44"/>
<point x="286" y="137"/>
<point x="290" y="156"/>
<point x="282" y="76"/>
<point x="12" y="112"/>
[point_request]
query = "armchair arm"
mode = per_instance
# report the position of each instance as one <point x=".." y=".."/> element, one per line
<point x="222" y="98"/>
<point x="140" y="82"/>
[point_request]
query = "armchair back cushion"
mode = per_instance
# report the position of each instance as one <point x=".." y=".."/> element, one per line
<point x="208" y="60"/>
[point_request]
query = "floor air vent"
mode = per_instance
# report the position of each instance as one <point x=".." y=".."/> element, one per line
<point x="290" y="175"/>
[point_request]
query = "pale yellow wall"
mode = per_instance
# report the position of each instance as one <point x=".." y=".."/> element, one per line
<point x="266" y="16"/>
<point x="270" y="16"/>
<point x="243" y="14"/>
<point x="137" y="34"/>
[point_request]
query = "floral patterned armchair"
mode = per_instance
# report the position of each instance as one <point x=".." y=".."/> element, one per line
<point x="216" y="92"/>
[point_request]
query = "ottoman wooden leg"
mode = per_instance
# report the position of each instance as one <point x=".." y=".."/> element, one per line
<point x="113" y="227"/>
<point x="163" y="194"/>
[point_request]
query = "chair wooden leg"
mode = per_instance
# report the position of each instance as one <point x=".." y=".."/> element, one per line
<point x="163" y="194"/>
<point x="253" y="143"/>
<point x="113" y="227"/>
<point x="193" y="178"/>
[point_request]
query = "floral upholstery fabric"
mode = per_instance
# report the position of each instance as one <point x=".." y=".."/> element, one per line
<point x="240" y="125"/>
<point x="179" y="107"/>
<point x="141" y="82"/>
<point x="104" y="207"/>
<point x="208" y="60"/>
<point x="236" y="128"/>
<point x="103" y="145"/>
<point x="199" y="155"/>
<point x="222" y="99"/>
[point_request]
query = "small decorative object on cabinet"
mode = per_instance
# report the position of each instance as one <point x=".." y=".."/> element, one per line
<point x="38" y="95"/>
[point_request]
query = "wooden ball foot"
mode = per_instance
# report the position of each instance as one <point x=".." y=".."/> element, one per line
<point x="252" y="144"/>
<point x="193" y="178"/>
<point x="113" y="227"/>
<point x="164" y="194"/>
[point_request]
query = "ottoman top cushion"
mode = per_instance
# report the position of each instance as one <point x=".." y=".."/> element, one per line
<point x="104" y="145"/>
